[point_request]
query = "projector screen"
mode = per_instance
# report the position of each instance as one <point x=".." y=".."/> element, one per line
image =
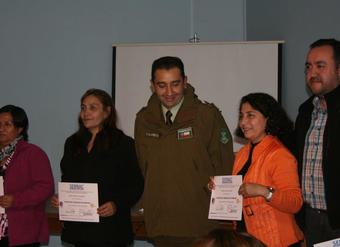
<point x="221" y="73"/>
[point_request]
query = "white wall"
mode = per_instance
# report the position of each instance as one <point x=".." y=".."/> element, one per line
<point x="221" y="73"/>
<point x="219" y="20"/>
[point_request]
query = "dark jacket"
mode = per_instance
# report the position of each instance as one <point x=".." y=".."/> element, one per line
<point x="29" y="179"/>
<point x="119" y="180"/>
<point x="176" y="162"/>
<point x="331" y="148"/>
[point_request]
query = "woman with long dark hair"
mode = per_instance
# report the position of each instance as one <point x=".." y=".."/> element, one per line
<point x="101" y="153"/>
<point x="270" y="189"/>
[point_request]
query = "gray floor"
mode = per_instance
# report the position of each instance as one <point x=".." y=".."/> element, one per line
<point x="55" y="242"/>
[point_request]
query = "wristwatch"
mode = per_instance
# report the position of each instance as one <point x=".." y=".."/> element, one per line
<point x="270" y="195"/>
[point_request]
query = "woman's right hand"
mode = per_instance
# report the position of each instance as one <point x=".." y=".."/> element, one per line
<point x="55" y="201"/>
<point x="211" y="184"/>
<point x="253" y="190"/>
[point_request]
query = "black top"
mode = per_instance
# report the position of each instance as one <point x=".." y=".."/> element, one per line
<point x="119" y="180"/>
<point x="246" y="166"/>
<point x="241" y="226"/>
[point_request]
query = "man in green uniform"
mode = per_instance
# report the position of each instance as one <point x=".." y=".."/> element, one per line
<point x="180" y="142"/>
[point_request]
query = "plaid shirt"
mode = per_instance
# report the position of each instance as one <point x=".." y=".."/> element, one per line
<point x="313" y="188"/>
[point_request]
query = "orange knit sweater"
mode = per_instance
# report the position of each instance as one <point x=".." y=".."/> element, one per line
<point x="273" y="166"/>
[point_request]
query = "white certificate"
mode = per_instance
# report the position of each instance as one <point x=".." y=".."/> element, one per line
<point x="225" y="202"/>
<point x="331" y="243"/>
<point x="2" y="210"/>
<point x="78" y="202"/>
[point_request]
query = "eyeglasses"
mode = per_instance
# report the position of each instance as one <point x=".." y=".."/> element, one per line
<point x="6" y="125"/>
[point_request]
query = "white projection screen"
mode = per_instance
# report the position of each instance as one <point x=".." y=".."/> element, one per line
<point x="221" y="73"/>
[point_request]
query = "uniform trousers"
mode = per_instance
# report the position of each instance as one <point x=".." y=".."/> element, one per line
<point x="167" y="241"/>
<point x="317" y="228"/>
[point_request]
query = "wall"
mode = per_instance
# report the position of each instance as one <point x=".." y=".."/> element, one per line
<point x="52" y="51"/>
<point x="219" y="20"/>
<point x="298" y="23"/>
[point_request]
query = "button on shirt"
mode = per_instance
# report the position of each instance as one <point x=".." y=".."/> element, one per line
<point x="313" y="188"/>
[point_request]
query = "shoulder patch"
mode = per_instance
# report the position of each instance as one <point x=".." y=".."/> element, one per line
<point x="224" y="136"/>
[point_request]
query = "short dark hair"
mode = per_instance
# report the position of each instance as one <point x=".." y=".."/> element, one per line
<point x="19" y="116"/>
<point x="167" y="63"/>
<point x="278" y="123"/>
<point x="335" y="44"/>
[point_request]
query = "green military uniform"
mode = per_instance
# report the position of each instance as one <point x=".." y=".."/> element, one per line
<point x="176" y="162"/>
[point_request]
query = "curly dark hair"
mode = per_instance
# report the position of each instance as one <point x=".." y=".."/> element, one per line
<point x="278" y="123"/>
<point x="227" y="238"/>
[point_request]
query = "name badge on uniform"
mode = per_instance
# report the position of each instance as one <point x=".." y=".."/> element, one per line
<point x="186" y="133"/>
<point x="154" y="135"/>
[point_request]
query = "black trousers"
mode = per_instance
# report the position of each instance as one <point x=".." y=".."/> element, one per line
<point x="166" y="241"/>
<point x="317" y="227"/>
<point x="4" y="243"/>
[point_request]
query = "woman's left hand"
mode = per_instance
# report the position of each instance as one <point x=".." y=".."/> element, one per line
<point x="6" y="201"/>
<point x="252" y="190"/>
<point x="107" y="209"/>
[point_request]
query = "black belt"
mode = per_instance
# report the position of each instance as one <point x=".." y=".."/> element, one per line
<point x="319" y="211"/>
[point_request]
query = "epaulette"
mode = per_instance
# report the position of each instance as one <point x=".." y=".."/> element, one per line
<point x="141" y="110"/>
<point x="211" y="105"/>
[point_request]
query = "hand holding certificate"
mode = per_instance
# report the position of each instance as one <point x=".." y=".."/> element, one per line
<point x="78" y="202"/>
<point x="225" y="202"/>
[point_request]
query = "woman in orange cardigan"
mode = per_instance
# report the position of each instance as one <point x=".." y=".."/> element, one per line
<point x="270" y="188"/>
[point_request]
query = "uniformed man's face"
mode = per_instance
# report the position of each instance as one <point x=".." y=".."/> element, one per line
<point x="169" y="86"/>
<point x="322" y="74"/>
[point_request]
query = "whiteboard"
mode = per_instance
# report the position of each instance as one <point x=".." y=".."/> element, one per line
<point x="221" y="73"/>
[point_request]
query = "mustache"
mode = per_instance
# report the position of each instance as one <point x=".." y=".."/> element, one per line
<point x="315" y="79"/>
